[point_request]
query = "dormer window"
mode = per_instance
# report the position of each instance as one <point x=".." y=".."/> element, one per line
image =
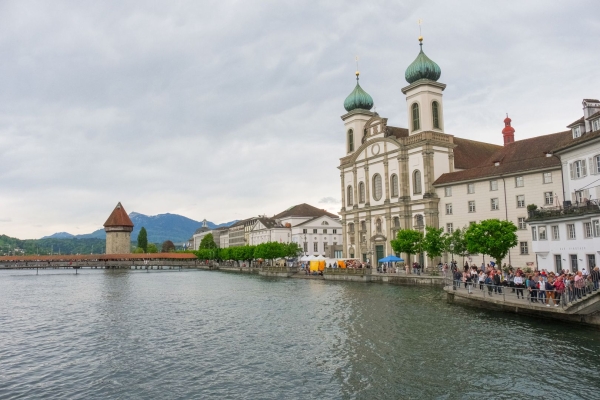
<point x="596" y="125"/>
<point x="577" y="132"/>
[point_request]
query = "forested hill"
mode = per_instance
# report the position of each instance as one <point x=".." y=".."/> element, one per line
<point x="10" y="245"/>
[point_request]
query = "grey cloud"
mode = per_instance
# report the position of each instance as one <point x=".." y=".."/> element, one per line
<point x="329" y="200"/>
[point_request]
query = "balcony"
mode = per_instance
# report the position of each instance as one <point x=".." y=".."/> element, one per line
<point x="550" y="213"/>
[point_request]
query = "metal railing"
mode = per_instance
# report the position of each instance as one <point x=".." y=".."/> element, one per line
<point x="522" y="294"/>
<point x="589" y="207"/>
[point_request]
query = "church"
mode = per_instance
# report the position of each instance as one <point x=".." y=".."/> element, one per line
<point x="403" y="178"/>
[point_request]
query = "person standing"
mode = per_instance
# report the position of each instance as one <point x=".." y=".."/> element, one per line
<point x="596" y="277"/>
<point x="541" y="291"/>
<point x="550" y="288"/>
<point x="518" y="283"/>
<point x="532" y="289"/>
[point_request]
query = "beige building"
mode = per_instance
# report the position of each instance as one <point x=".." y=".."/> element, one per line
<point x="118" y="229"/>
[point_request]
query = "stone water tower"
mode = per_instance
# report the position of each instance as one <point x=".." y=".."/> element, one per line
<point x="118" y="229"/>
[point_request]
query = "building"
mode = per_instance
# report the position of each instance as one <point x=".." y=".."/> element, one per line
<point x="237" y="234"/>
<point x="268" y="230"/>
<point x="319" y="236"/>
<point x="224" y="238"/>
<point x="567" y="236"/>
<point x="118" y="229"/>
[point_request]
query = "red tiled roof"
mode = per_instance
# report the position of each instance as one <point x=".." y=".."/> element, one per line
<point x="471" y="153"/>
<point x="578" y="122"/>
<point x="397" y="132"/>
<point x="520" y="156"/>
<point x="118" y="217"/>
<point x="304" y="210"/>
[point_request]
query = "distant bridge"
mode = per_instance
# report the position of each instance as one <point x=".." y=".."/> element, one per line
<point x="102" y="261"/>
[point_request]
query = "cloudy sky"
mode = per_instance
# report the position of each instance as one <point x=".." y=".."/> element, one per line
<point x="228" y="109"/>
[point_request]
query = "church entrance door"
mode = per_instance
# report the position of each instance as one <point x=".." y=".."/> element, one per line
<point x="378" y="254"/>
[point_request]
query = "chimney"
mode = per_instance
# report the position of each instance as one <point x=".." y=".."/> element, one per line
<point x="590" y="107"/>
<point x="508" y="132"/>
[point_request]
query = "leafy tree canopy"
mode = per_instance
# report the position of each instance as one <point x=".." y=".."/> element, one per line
<point x="433" y="242"/>
<point x="493" y="237"/>
<point x="208" y="242"/>
<point x="152" y="248"/>
<point x="408" y="241"/>
<point x="142" y="239"/>
<point x="168" y="246"/>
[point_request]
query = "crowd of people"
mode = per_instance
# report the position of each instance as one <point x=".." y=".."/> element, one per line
<point x="540" y="287"/>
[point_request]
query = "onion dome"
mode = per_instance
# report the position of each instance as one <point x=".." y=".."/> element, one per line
<point x="422" y="68"/>
<point x="358" y="98"/>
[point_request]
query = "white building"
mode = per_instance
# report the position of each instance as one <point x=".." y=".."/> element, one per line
<point x="268" y="230"/>
<point x="319" y="236"/>
<point x="567" y="236"/>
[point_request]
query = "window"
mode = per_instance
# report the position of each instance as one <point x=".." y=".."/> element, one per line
<point x="524" y="247"/>
<point x="542" y="233"/>
<point x="349" y="196"/>
<point x="351" y="227"/>
<point x="595" y="124"/>
<point x="305" y="247"/>
<point x="470" y="188"/>
<point x="495" y="204"/>
<point x="435" y="113"/>
<point x="547" y="177"/>
<point x="519" y="182"/>
<point x="493" y="185"/>
<point x="591" y="259"/>
<point x="363" y="226"/>
<point x="521" y="223"/>
<point x="555" y="232"/>
<point x="352" y="240"/>
<point x="557" y="262"/>
<point x="571" y="231"/>
<point x="596" y="166"/>
<point x="448" y="191"/>
<point x="548" y="198"/>
<point x="377" y="187"/>
<point x="574" y="266"/>
<point x="304" y="230"/>
<point x="324" y="246"/>
<point x="576" y="132"/>
<point x="587" y="230"/>
<point x="579" y="196"/>
<point x="533" y="233"/>
<point x="351" y="253"/>
<point x="316" y="246"/>
<point x="449" y="209"/>
<point x="416" y="123"/>
<point x="350" y="141"/>
<point x="596" y="225"/>
<point x="416" y="182"/>
<point x="361" y="192"/>
<point x="472" y="206"/>
<point x="449" y="228"/>
<point x="314" y="231"/>
<point x="394" y="185"/>
<point x="520" y="201"/>
<point x="578" y="169"/>
<point x="378" y="225"/>
<point x="396" y="222"/>
<point x="334" y="231"/>
<point x="324" y="230"/>
<point x="419" y="221"/>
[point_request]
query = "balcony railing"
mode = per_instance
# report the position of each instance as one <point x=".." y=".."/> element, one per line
<point x="590" y="207"/>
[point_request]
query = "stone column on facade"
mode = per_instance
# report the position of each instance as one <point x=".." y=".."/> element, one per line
<point x="432" y="219"/>
<point x="355" y="188"/>
<point x="451" y="160"/>
<point x="369" y="244"/>
<point x="344" y="238"/>
<point x="343" y="191"/>
<point x="367" y="186"/>
<point x="427" y="154"/>
<point x="356" y="235"/>
<point x="387" y="180"/>
<point x="388" y="232"/>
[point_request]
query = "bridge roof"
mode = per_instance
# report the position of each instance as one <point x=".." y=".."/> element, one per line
<point x="102" y="257"/>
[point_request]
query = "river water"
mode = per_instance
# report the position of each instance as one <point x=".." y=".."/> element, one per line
<point x="215" y="335"/>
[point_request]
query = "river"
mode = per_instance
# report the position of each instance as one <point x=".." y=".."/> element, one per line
<point x="215" y="335"/>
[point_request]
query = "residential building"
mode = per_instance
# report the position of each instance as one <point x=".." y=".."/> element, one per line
<point x="237" y="234"/>
<point x="224" y="238"/>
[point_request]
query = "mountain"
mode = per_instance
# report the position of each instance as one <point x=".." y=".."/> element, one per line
<point x="174" y="227"/>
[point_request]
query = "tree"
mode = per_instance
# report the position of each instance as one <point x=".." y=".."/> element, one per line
<point x="138" y="250"/>
<point x="292" y="249"/>
<point x="433" y="242"/>
<point x="408" y="241"/>
<point x="152" y="248"/>
<point x="208" y="242"/>
<point x="167" y="246"/>
<point x="142" y="239"/>
<point x="456" y="243"/>
<point x="492" y="237"/>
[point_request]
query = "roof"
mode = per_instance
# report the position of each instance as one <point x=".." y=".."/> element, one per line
<point x="594" y="115"/>
<point x="397" y="132"/>
<point x="269" y="223"/>
<point x="304" y="210"/>
<point x="118" y="217"/>
<point x="312" y="219"/>
<point x="582" y="139"/>
<point x="201" y="229"/>
<point x="592" y="100"/>
<point x="520" y="156"/>
<point x="578" y="122"/>
<point x="471" y="153"/>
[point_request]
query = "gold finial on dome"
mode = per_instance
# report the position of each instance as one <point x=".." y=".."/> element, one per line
<point x="357" y="73"/>
<point x="419" y="21"/>
<point x="421" y="39"/>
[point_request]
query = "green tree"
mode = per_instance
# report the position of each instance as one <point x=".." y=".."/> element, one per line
<point x="208" y="242"/>
<point x="408" y="241"/>
<point x="152" y="248"/>
<point x="138" y="250"/>
<point x="292" y="249"/>
<point x="493" y="237"/>
<point x="433" y="242"/>
<point x="167" y="247"/>
<point x="142" y="240"/>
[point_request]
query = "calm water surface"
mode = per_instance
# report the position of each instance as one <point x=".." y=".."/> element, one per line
<point x="213" y="335"/>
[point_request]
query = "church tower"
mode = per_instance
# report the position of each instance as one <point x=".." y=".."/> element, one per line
<point x="118" y="229"/>
<point x="424" y="95"/>
<point x="358" y="103"/>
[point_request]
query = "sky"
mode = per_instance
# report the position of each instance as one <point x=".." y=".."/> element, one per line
<point x="229" y="109"/>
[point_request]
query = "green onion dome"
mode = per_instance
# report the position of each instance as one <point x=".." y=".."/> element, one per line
<point x="422" y="68"/>
<point x="358" y="98"/>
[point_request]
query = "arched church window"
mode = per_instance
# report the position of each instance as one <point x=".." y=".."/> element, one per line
<point x="394" y="185"/>
<point x="361" y="192"/>
<point x="396" y="222"/>
<point x="419" y="221"/>
<point x="377" y="187"/>
<point x="378" y="225"/>
<point x="349" y="196"/>
<point x="417" y="182"/>
<point x="435" y="113"/>
<point x="363" y="226"/>
<point x="350" y="141"/>
<point x="416" y="123"/>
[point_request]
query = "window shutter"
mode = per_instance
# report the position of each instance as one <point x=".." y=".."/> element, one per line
<point x="586" y="194"/>
<point x="592" y="169"/>
<point x="583" y="168"/>
<point x="571" y="170"/>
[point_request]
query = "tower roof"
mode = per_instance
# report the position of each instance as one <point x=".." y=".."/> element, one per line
<point x="422" y="68"/>
<point x="358" y="98"/>
<point x="118" y="217"/>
